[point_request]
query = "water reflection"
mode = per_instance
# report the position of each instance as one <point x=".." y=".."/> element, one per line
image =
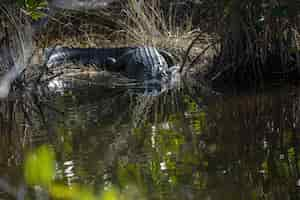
<point x="183" y="144"/>
<point x="22" y="126"/>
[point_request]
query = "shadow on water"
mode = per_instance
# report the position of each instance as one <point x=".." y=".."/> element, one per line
<point x="182" y="144"/>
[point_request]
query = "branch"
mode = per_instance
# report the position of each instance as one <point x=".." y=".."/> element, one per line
<point x="201" y="54"/>
<point x="188" y="51"/>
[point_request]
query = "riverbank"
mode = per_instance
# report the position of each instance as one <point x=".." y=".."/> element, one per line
<point x="126" y="25"/>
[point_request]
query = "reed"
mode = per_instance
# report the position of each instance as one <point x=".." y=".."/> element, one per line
<point x="147" y="23"/>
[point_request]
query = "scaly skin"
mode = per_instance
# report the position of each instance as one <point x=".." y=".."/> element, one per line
<point x="140" y="63"/>
<point x="93" y="56"/>
<point x="143" y="63"/>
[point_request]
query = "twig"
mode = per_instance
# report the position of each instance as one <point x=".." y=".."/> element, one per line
<point x="188" y="51"/>
<point x="52" y="77"/>
<point x="201" y="54"/>
<point x="226" y="68"/>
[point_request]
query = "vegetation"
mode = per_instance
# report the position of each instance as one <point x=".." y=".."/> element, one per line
<point x="110" y="144"/>
<point x="258" y="41"/>
<point x="242" y="42"/>
<point x="33" y="7"/>
<point x="93" y="154"/>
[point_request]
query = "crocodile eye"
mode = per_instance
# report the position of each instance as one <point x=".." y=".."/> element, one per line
<point x="110" y="61"/>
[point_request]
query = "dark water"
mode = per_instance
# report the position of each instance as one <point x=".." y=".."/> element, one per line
<point x="182" y="144"/>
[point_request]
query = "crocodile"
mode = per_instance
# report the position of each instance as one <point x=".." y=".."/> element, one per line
<point x="139" y="63"/>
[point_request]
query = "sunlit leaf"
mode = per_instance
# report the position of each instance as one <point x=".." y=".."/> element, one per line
<point x="33" y="7"/>
<point x="62" y="191"/>
<point x="110" y="194"/>
<point x="40" y="166"/>
<point x="59" y="191"/>
<point x="86" y="194"/>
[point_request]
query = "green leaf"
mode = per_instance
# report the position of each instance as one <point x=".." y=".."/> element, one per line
<point x="33" y="7"/>
<point x="40" y="167"/>
<point x="110" y="194"/>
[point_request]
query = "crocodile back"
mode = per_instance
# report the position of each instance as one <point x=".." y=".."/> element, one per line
<point x="85" y="56"/>
<point x="145" y="63"/>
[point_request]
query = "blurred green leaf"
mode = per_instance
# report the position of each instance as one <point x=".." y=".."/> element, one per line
<point x="40" y="167"/>
<point x="62" y="191"/>
<point x="59" y="191"/>
<point x="109" y="194"/>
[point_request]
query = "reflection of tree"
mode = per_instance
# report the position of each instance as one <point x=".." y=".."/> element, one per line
<point x="256" y="143"/>
<point x="121" y="138"/>
<point x="234" y="147"/>
<point x="22" y="126"/>
<point x="241" y="147"/>
<point x="111" y="118"/>
<point x="141" y="108"/>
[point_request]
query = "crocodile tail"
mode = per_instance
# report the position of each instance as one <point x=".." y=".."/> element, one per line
<point x="86" y="56"/>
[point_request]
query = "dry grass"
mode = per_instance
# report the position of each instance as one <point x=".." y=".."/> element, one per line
<point x="148" y="24"/>
<point x="127" y="24"/>
<point x="70" y="28"/>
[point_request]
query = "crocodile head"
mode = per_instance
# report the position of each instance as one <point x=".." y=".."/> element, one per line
<point x="158" y="84"/>
<point x="174" y="75"/>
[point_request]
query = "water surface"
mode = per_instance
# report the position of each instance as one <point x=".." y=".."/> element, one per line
<point x="182" y="144"/>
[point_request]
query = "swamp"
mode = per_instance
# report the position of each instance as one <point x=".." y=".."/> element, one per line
<point x="148" y="100"/>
